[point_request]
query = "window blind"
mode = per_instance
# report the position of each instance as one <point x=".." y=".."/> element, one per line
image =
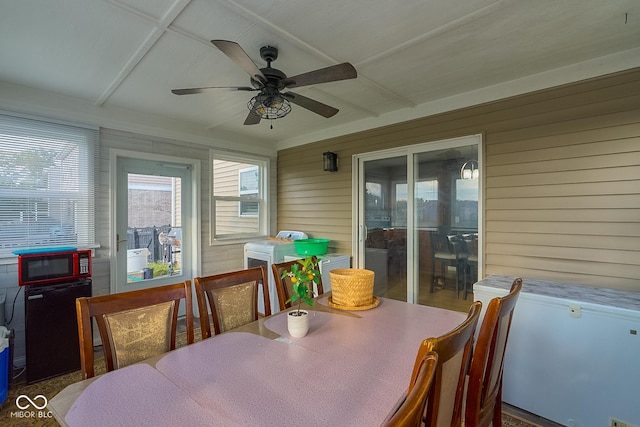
<point x="46" y="184"/>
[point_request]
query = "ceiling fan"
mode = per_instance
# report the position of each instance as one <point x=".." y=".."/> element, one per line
<point x="270" y="103"/>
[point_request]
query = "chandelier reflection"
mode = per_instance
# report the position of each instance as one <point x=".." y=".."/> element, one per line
<point x="469" y="170"/>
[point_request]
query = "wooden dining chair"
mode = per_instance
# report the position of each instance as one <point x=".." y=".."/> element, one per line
<point x="444" y="407"/>
<point x="484" y="389"/>
<point x="284" y="287"/>
<point x="133" y="326"/>
<point x="411" y="410"/>
<point x="232" y="298"/>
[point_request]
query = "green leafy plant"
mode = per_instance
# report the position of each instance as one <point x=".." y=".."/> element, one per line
<point x="302" y="275"/>
<point x="159" y="269"/>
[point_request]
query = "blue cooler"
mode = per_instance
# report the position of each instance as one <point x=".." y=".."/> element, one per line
<point x="4" y="363"/>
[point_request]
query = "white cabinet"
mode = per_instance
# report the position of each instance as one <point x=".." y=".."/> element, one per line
<point x="327" y="263"/>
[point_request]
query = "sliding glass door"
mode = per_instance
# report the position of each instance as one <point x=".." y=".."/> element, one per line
<point x="417" y="220"/>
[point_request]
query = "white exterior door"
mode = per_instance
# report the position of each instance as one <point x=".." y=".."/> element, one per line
<point x="154" y="223"/>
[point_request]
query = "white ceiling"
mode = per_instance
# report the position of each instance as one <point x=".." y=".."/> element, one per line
<point x="413" y="57"/>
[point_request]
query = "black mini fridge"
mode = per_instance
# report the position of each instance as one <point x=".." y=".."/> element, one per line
<point x="51" y="328"/>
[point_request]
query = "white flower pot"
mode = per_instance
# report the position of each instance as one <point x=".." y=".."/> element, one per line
<point x="298" y="325"/>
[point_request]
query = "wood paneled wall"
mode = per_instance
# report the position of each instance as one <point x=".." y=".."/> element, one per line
<point x="561" y="181"/>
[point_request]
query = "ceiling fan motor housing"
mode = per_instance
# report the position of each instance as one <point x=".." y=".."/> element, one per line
<point x="269" y="53"/>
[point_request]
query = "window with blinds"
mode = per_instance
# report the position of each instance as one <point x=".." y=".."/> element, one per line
<point x="46" y="184"/>
<point x="239" y="198"/>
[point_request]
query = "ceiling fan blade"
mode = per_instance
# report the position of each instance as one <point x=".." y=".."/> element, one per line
<point x="191" y="91"/>
<point x="240" y="57"/>
<point x="312" y="105"/>
<point x="333" y="73"/>
<point x="253" y="118"/>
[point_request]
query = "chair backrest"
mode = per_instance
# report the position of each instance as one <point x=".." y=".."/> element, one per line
<point x="471" y="242"/>
<point x="410" y="412"/>
<point x="444" y="407"/>
<point x="133" y="325"/>
<point x="284" y="287"/>
<point x="440" y="241"/>
<point x="232" y="298"/>
<point x="457" y="245"/>
<point x="484" y="391"/>
<point x="446" y="245"/>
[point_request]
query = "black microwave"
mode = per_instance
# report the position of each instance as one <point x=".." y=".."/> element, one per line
<point x="41" y="268"/>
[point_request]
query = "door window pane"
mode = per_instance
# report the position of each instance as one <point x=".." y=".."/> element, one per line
<point x="446" y="208"/>
<point x="386" y="221"/>
<point x="154" y="231"/>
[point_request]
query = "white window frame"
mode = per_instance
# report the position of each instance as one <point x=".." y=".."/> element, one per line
<point x="264" y="172"/>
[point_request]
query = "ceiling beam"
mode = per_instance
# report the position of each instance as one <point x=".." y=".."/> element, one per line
<point x="159" y="28"/>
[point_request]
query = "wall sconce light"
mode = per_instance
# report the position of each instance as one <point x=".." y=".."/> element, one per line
<point x="330" y="161"/>
<point x="469" y="170"/>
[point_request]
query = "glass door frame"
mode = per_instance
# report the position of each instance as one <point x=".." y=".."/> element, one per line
<point x="358" y="202"/>
<point x="190" y="222"/>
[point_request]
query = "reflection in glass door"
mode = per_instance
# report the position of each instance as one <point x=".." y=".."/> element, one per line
<point x="152" y="201"/>
<point x="385" y="225"/>
<point x="446" y="216"/>
<point x="418" y="216"/>
<point x="154" y="229"/>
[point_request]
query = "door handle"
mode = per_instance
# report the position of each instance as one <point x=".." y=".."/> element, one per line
<point x="363" y="233"/>
<point x="118" y="241"/>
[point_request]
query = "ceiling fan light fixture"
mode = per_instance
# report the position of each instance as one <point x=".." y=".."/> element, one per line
<point x="269" y="107"/>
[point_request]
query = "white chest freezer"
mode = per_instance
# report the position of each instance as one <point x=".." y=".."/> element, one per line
<point x="573" y="351"/>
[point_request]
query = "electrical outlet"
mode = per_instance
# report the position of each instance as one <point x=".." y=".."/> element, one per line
<point x="617" y="423"/>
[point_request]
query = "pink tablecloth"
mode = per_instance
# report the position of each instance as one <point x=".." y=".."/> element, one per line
<point x="346" y="371"/>
<point x="137" y="395"/>
<point x="383" y="340"/>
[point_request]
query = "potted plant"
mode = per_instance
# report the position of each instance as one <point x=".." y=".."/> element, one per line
<point x="302" y="275"/>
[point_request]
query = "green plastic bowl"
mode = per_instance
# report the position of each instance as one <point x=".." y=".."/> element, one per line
<point x="310" y="247"/>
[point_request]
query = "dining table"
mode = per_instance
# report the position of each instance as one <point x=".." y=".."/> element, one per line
<point x="351" y="369"/>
